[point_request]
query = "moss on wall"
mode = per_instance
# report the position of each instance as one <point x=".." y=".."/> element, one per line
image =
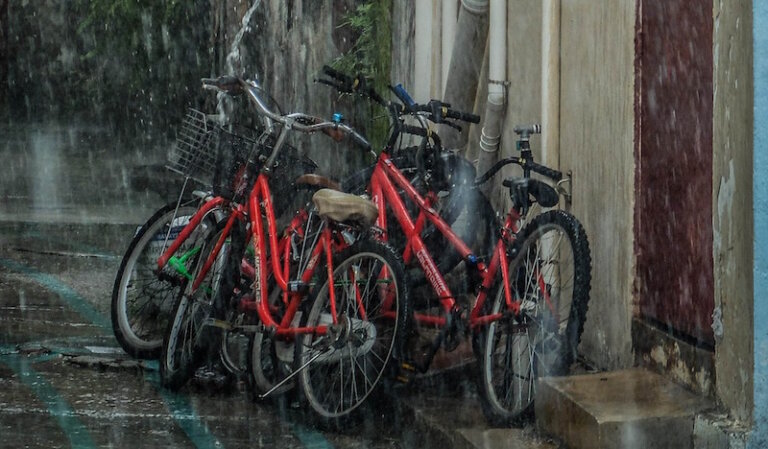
<point x="371" y="56"/>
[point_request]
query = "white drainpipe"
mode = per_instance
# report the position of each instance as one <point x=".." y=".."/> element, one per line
<point x="450" y="15"/>
<point x="497" y="74"/>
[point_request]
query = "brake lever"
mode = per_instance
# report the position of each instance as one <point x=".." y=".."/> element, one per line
<point x="452" y="125"/>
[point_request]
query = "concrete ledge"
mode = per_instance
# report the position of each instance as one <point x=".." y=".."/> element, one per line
<point x="623" y="409"/>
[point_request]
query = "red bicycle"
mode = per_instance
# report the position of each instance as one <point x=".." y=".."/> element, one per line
<point x="355" y="314"/>
<point x="531" y="290"/>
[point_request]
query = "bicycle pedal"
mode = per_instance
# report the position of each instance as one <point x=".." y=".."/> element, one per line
<point x="406" y="373"/>
<point x="221" y="324"/>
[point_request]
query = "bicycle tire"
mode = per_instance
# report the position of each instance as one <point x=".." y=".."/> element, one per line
<point x="141" y="302"/>
<point x="543" y="339"/>
<point x="188" y="342"/>
<point x="367" y="344"/>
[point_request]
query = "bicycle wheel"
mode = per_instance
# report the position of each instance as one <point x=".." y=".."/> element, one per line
<point x="270" y="361"/>
<point x="550" y="275"/>
<point x="343" y="368"/>
<point x="189" y="340"/>
<point x="141" y="301"/>
<point x="234" y="345"/>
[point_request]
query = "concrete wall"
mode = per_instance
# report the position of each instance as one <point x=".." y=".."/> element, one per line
<point x="732" y="201"/>
<point x="285" y="46"/>
<point x="597" y="145"/>
<point x="402" y="39"/>
<point x="760" y="191"/>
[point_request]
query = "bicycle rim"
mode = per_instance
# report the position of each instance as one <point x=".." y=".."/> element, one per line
<point x="142" y="303"/>
<point x="347" y="364"/>
<point x="188" y="338"/>
<point x="547" y="276"/>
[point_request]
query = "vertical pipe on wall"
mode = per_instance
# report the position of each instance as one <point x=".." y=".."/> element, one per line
<point x="550" y="83"/>
<point x="466" y="64"/>
<point x="422" y="51"/>
<point x="450" y="15"/>
<point x="497" y="75"/>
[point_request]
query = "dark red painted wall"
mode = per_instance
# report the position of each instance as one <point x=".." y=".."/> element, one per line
<point x="673" y="213"/>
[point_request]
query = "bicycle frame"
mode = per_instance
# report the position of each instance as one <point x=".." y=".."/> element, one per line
<point x="386" y="177"/>
<point x="261" y="195"/>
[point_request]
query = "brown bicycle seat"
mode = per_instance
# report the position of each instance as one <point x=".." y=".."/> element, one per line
<point x="345" y="208"/>
<point x="313" y="180"/>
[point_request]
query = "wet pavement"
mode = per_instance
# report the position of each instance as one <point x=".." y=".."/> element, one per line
<point x="64" y="382"/>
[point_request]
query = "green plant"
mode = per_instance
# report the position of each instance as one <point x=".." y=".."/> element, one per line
<point x="371" y="56"/>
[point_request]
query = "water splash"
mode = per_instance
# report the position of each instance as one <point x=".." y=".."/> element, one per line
<point x="234" y="65"/>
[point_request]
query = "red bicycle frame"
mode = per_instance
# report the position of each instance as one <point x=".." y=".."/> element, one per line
<point x="260" y="196"/>
<point x="386" y="177"/>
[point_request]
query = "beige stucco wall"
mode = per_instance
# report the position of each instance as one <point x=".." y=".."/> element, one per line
<point x="597" y="145"/>
<point x="732" y="203"/>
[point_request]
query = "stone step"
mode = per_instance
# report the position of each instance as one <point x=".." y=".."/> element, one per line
<point x="629" y="409"/>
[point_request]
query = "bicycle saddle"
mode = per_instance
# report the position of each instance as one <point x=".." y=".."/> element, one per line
<point x="345" y="208"/>
<point x="311" y="180"/>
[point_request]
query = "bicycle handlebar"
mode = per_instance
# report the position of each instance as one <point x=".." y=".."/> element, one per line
<point x="523" y="162"/>
<point x="296" y="121"/>
<point x="347" y="84"/>
<point x="439" y="111"/>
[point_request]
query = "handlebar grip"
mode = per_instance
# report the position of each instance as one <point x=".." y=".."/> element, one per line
<point x="415" y="130"/>
<point x="463" y="116"/>
<point x="225" y="83"/>
<point x="360" y="140"/>
<point x="335" y="74"/>
<point x="402" y="94"/>
<point x="546" y="171"/>
<point x="338" y="86"/>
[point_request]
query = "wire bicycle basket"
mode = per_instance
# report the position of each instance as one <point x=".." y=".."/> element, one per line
<point x="209" y="154"/>
<point x="194" y="155"/>
<point x="219" y="158"/>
